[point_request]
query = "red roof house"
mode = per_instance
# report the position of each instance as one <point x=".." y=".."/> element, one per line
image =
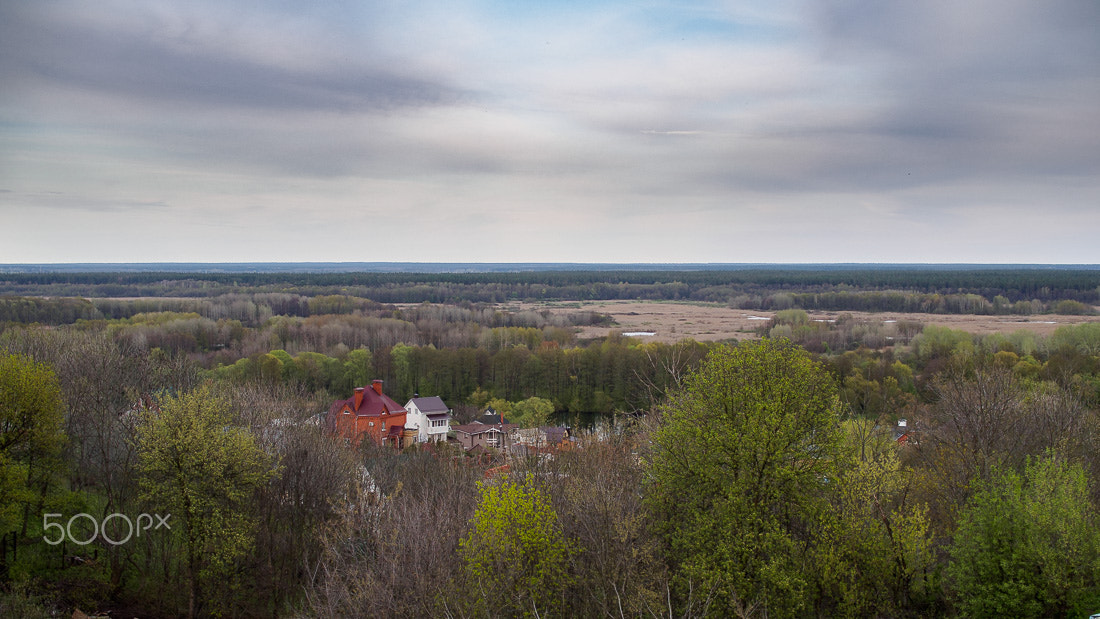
<point x="368" y="413"/>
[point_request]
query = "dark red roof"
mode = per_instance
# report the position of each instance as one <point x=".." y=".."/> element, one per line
<point x="372" y="405"/>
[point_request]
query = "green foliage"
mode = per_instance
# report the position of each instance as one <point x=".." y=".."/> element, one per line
<point x="1029" y="545"/>
<point x="501" y="406"/>
<point x="479" y="398"/>
<point x="793" y="317"/>
<point x="515" y="555"/>
<point x="31" y="435"/>
<point x="20" y="602"/>
<point x="51" y="311"/>
<point x="740" y="465"/>
<point x="874" y="554"/>
<point x="834" y="288"/>
<point x="1071" y="307"/>
<point x="936" y="342"/>
<point x="357" y="370"/>
<point x="194" y="464"/>
<point x="30" y="408"/>
<point x="403" y="369"/>
<point x="532" y="412"/>
<point x="14" y="493"/>
<point x="872" y="398"/>
<point x="1083" y="338"/>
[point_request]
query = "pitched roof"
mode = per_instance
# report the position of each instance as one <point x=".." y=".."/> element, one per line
<point x="372" y="405"/>
<point x="490" y="418"/>
<point x="433" y="404"/>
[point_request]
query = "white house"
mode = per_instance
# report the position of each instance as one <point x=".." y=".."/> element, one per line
<point x="430" y="417"/>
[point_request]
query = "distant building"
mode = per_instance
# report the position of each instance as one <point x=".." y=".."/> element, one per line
<point x="368" y="413"/>
<point x="491" y="417"/>
<point x="904" y="434"/>
<point x="430" y="417"/>
<point x="545" y="438"/>
<point x="485" y="435"/>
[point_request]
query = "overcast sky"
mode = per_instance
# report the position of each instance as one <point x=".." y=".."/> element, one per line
<point x="594" y="131"/>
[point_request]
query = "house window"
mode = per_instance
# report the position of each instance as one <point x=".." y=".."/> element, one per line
<point x="383" y="425"/>
<point x="370" y="423"/>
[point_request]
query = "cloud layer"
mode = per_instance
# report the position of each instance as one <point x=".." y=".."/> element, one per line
<point x="604" y="131"/>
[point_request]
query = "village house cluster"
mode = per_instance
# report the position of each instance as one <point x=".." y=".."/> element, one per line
<point x="371" y="414"/>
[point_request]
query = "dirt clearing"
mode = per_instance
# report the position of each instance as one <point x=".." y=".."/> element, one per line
<point x="672" y="322"/>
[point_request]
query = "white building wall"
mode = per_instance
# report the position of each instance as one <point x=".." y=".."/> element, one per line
<point x="425" y="432"/>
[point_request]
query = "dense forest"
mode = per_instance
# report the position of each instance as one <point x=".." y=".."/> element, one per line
<point x="886" y="289"/>
<point x="766" y="477"/>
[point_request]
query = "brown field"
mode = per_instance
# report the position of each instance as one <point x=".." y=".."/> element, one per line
<point x="672" y="322"/>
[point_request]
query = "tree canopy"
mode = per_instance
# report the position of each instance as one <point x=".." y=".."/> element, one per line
<point x="744" y="454"/>
<point x="195" y="464"/>
<point x="31" y="418"/>
<point x="1029" y="545"/>
<point x="515" y="550"/>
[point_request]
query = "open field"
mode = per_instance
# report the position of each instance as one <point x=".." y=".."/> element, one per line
<point x="671" y="322"/>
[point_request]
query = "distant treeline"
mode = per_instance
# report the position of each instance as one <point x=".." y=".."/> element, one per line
<point x="982" y="291"/>
<point x="257" y="309"/>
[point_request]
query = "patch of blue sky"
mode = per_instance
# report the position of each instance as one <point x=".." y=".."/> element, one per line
<point x="708" y="28"/>
<point x="671" y="21"/>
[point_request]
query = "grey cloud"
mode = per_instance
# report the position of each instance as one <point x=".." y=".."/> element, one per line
<point x="127" y="62"/>
<point x="74" y="202"/>
<point x="935" y="106"/>
<point x="997" y="39"/>
<point x="934" y="94"/>
<point x="997" y="83"/>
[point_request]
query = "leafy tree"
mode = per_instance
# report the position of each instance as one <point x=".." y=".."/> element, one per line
<point x="30" y="405"/>
<point x="875" y="550"/>
<point x="356" y="372"/>
<point x="501" y="406"/>
<point x="515" y="554"/>
<point x="1085" y="338"/>
<point x="195" y="465"/>
<point x="270" y="367"/>
<point x="532" y="412"/>
<point x="985" y="419"/>
<point x="404" y="369"/>
<point x="738" y="469"/>
<point x="941" y="342"/>
<point x="1029" y="545"/>
<point x="31" y="419"/>
<point x="479" y="398"/>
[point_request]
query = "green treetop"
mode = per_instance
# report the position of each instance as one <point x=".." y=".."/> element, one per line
<point x="740" y="463"/>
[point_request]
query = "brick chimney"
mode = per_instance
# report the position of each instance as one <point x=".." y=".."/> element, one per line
<point x="377" y="386"/>
<point x="358" y="397"/>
